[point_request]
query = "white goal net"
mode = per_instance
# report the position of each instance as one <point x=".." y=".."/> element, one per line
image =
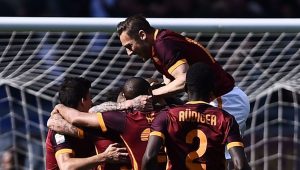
<point x="37" y="53"/>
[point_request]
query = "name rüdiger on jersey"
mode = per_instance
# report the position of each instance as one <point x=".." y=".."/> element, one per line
<point x="193" y="116"/>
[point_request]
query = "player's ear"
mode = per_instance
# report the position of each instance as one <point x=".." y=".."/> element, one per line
<point x="81" y="101"/>
<point x="142" y="34"/>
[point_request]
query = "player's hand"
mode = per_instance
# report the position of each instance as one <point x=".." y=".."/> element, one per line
<point x="51" y="120"/>
<point x="153" y="81"/>
<point x="93" y="109"/>
<point x="115" y="153"/>
<point x="56" y="109"/>
<point x="143" y="103"/>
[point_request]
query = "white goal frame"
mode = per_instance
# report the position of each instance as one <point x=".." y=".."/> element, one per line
<point x="176" y="24"/>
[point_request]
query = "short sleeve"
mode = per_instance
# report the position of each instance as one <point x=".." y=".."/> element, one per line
<point x="111" y="121"/>
<point x="233" y="134"/>
<point x="159" y="125"/>
<point x="170" y="52"/>
<point x="61" y="143"/>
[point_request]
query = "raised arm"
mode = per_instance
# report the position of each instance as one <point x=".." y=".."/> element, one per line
<point x="176" y="85"/>
<point x="113" y="154"/>
<point x="142" y="102"/>
<point x="76" y="117"/>
<point x="57" y="123"/>
<point x="108" y="106"/>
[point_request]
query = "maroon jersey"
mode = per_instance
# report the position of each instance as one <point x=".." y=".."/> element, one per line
<point x="195" y="135"/>
<point x="134" y="129"/>
<point x="51" y="163"/>
<point x="101" y="143"/>
<point x="58" y="144"/>
<point x="171" y="50"/>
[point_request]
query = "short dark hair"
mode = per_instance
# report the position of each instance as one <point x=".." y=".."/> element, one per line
<point x="72" y="90"/>
<point x="200" y="79"/>
<point x="133" y="25"/>
<point x="134" y="87"/>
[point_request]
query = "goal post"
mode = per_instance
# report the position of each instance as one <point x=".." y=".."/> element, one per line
<point x="176" y="24"/>
<point x="263" y="55"/>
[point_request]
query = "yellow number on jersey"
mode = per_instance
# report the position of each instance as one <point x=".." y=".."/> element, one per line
<point x="199" y="152"/>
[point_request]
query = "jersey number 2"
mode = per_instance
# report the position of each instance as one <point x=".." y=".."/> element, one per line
<point x="199" y="152"/>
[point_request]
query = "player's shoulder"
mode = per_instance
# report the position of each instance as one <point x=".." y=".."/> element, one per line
<point x="114" y="114"/>
<point x="57" y="137"/>
<point x="167" y="35"/>
<point x="52" y="134"/>
<point x="218" y="111"/>
<point x="135" y="115"/>
<point x="167" y="32"/>
<point x="174" y="107"/>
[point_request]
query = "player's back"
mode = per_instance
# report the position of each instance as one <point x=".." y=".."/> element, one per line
<point x="136" y="134"/>
<point x="183" y="48"/>
<point x="196" y="135"/>
<point x="134" y="129"/>
<point x="101" y="143"/>
<point x="83" y="147"/>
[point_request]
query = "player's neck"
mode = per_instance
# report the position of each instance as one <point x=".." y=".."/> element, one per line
<point x="153" y="35"/>
<point x="81" y="109"/>
<point x="195" y="97"/>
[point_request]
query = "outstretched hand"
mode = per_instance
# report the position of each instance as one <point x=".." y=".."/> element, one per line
<point x="115" y="153"/>
<point x="142" y="103"/>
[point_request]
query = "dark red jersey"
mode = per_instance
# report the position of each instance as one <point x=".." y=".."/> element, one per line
<point x="58" y="144"/>
<point x="51" y="163"/>
<point x="101" y="143"/>
<point x="171" y="50"/>
<point x="195" y="135"/>
<point x="134" y="129"/>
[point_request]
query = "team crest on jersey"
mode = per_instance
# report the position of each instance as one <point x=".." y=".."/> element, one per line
<point x="150" y="117"/>
<point x="59" y="138"/>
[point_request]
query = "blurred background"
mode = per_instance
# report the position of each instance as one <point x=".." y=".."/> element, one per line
<point x="152" y="8"/>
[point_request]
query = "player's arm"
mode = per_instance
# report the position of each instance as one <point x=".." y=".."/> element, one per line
<point x="166" y="80"/>
<point x="77" y="118"/>
<point x="235" y="145"/>
<point x="156" y="140"/>
<point x="69" y="119"/>
<point x="112" y="154"/>
<point x="238" y="158"/>
<point x="142" y="102"/>
<point x="177" y="85"/>
<point x="60" y="125"/>
<point x="150" y="155"/>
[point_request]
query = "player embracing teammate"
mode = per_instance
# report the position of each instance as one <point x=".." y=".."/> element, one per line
<point x="194" y="134"/>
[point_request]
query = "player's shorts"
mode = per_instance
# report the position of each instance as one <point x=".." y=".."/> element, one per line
<point x="236" y="103"/>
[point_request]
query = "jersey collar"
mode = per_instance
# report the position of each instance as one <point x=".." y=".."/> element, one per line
<point x="197" y="102"/>
<point x="155" y="34"/>
<point x="153" y="56"/>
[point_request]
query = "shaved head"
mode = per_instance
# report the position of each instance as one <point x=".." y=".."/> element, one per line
<point x="200" y="80"/>
<point x="134" y="87"/>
